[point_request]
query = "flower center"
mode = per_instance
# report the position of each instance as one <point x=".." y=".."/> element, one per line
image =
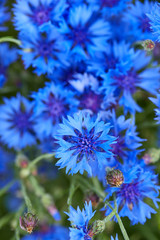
<point x="130" y="194"/>
<point x="45" y="49"/>
<point x="55" y="107"/>
<point x="91" y="101"/>
<point x="109" y="3"/>
<point x="144" y="24"/>
<point x="21" y="121"/>
<point x="127" y="82"/>
<point x="79" y="35"/>
<point x="41" y="16"/>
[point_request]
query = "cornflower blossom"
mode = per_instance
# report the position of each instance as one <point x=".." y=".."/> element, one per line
<point x="7" y="56"/>
<point x="140" y="184"/>
<point x="112" y="7"/>
<point x="156" y="101"/>
<point x="52" y="103"/>
<point x="17" y="122"/>
<point x="80" y="229"/>
<point x="43" y="51"/>
<point x="85" y="31"/>
<point x="84" y="144"/>
<point x="4" y="16"/>
<point x="53" y="232"/>
<point x="139" y="22"/>
<point x="125" y="85"/>
<point x="38" y="13"/>
<point x="154" y="17"/>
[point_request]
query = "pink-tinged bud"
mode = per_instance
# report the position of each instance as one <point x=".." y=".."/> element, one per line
<point x="147" y="158"/>
<point x="28" y="222"/>
<point x="93" y="198"/>
<point x="96" y="228"/>
<point x="148" y="45"/>
<point x="115" y="178"/>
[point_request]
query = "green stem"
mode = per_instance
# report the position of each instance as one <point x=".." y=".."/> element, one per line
<point x="38" y="159"/>
<point x="123" y="230"/>
<point x="5" y="189"/>
<point x="26" y="198"/>
<point x="72" y="190"/>
<point x="10" y="39"/>
<point x="17" y="236"/>
<point x="106" y="219"/>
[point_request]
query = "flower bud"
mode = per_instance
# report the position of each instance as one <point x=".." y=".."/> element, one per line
<point x="148" y="45"/>
<point x="96" y="228"/>
<point x="93" y="198"/>
<point x="28" y="222"/>
<point x="115" y="178"/>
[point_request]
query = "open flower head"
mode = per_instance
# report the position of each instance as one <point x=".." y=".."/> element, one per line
<point x="84" y="144"/>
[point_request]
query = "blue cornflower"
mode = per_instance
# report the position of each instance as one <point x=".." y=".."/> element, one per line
<point x="53" y="232"/>
<point x="139" y="21"/>
<point x="80" y="220"/>
<point x="156" y="101"/>
<point x="4" y="16"/>
<point x="140" y="183"/>
<point x="85" y="31"/>
<point x="126" y="135"/>
<point x="43" y="51"/>
<point x="7" y="56"/>
<point x="124" y="85"/>
<point x="84" y="144"/>
<point x="154" y="17"/>
<point x="52" y="103"/>
<point x="112" y="7"/>
<point x="115" y="238"/>
<point x="37" y="13"/>
<point x="117" y="56"/>
<point x="16" y="122"/>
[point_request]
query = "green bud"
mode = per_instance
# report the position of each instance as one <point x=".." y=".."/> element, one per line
<point x="148" y="45"/>
<point x="96" y="228"/>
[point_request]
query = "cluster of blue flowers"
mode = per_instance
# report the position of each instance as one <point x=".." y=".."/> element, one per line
<point x="88" y="54"/>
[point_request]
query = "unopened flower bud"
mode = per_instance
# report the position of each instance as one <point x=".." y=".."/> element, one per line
<point x="93" y="198"/>
<point x="148" y="45"/>
<point x="115" y="178"/>
<point x="22" y="161"/>
<point x="96" y="228"/>
<point x="28" y="222"/>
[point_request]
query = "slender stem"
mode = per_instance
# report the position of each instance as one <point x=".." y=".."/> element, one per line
<point x="123" y="230"/>
<point x="17" y="236"/>
<point x="5" y="189"/>
<point x="110" y="215"/>
<point x="38" y="159"/>
<point x="26" y="198"/>
<point x="10" y="39"/>
<point x="72" y="190"/>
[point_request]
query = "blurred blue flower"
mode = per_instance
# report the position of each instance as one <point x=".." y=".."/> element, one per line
<point x="112" y="7"/>
<point x="43" y="51"/>
<point x="7" y="56"/>
<point x="154" y="17"/>
<point x="85" y="31"/>
<point x="116" y="238"/>
<point x="139" y="21"/>
<point x="117" y="56"/>
<point x="53" y="232"/>
<point x="84" y="144"/>
<point x="156" y="101"/>
<point x="4" y="15"/>
<point x="52" y="103"/>
<point x="16" y="122"/>
<point x="39" y="13"/>
<point x="124" y="85"/>
<point x="80" y="220"/>
<point x="140" y="183"/>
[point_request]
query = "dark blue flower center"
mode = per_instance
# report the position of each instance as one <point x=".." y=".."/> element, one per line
<point x="144" y="24"/>
<point x="22" y="121"/>
<point x="92" y="101"/>
<point x="127" y="82"/>
<point x="41" y="16"/>
<point x="109" y="3"/>
<point x="55" y="107"/>
<point x="45" y="49"/>
<point x="129" y="193"/>
<point x="79" y="36"/>
<point x="85" y="143"/>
